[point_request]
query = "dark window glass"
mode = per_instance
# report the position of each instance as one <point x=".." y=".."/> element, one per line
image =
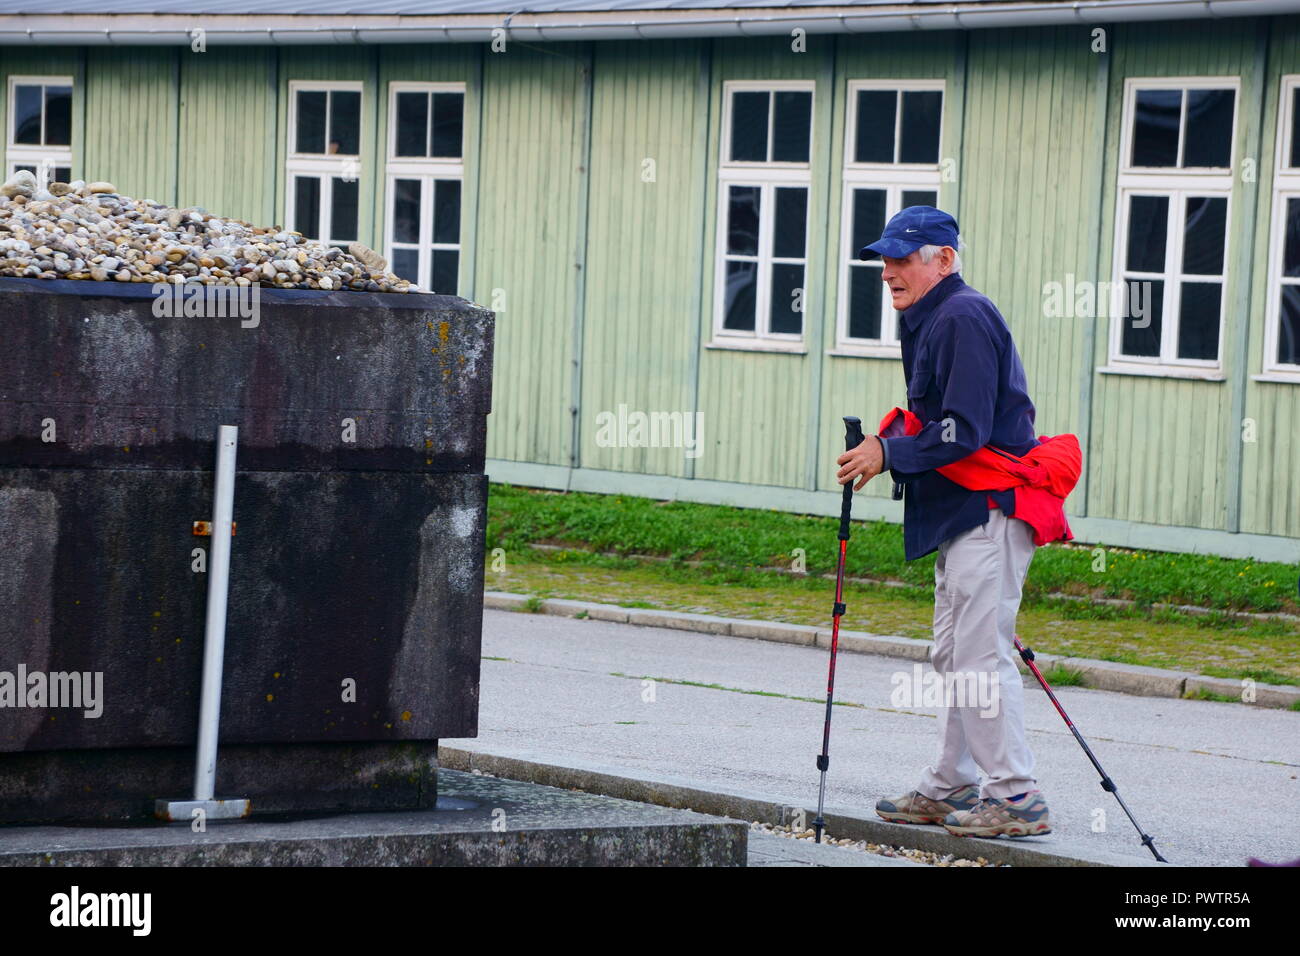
<point x="919" y="139"/>
<point x="406" y="263"/>
<point x="1207" y="141"/>
<point x="920" y="197"/>
<point x="1148" y="225"/>
<point x="749" y="127"/>
<point x="58" y="116"/>
<point x="1288" y="331"/>
<point x="1291" y="248"/>
<point x="27" y="115"/>
<point x="864" y="302"/>
<point x="742" y="286"/>
<point x="30" y="169"/>
<point x="792" y="126"/>
<point x="448" y="124"/>
<point x="875" y="133"/>
<point x="791" y="222"/>
<point x="345" y="122"/>
<point x="1155" y="127"/>
<point x="446" y="263"/>
<point x="306" y="206"/>
<point x="1145" y="305"/>
<point x="446" y="211"/>
<point x="1198" y="320"/>
<point x="310" y="136"/>
<point x="1295" y="127"/>
<point x="868" y="217"/>
<point x="412" y="124"/>
<point x="343" y="209"/>
<point x="406" y="210"/>
<point x="62" y="174"/>
<point x="742" y="221"/>
<point x="1203" y="238"/>
<point x="787" y="292"/>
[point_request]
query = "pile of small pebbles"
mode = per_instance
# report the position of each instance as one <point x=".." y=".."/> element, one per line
<point x="82" y="230"/>
<point x="917" y="856"/>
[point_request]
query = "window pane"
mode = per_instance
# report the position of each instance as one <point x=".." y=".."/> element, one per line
<point x="412" y="124"/>
<point x="406" y="263"/>
<point x="30" y="169"/>
<point x="1198" y="320"/>
<point x="1291" y="249"/>
<point x="920" y="134"/>
<point x="345" y="122"/>
<point x="1208" y="140"/>
<point x="306" y="206"/>
<point x="1146" y="298"/>
<point x="787" y="293"/>
<point x="868" y="217"/>
<point x="875" y="134"/>
<point x="343" y="209"/>
<point x="448" y="124"/>
<point x="1295" y="127"/>
<point x="1155" y="127"/>
<point x="1288" y="332"/>
<point x="791" y="223"/>
<point x="749" y="126"/>
<point x="58" y="116"/>
<point x="792" y="126"/>
<point x="442" y="279"/>
<point x="27" y="114"/>
<point x="406" y="210"/>
<point x="742" y="221"/>
<point x="62" y="174"/>
<point x="920" y="197"/>
<point x="311" y="122"/>
<point x="742" y="285"/>
<point x="1204" y="236"/>
<point x="1148" y="226"/>
<point x="864" y="301"/>
<point x="446" y="211"/>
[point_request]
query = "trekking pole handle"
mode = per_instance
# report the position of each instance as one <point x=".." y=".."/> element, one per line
<point x="853" y="437"/>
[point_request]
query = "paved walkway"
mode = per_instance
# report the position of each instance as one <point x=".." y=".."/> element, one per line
<point x="1213" y="783"/>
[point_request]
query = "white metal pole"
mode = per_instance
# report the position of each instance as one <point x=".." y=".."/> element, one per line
<point x="214" y="639"/>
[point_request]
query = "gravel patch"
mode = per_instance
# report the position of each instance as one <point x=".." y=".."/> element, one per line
<point x="89" y="231"/>
<point x="917" y="856"/>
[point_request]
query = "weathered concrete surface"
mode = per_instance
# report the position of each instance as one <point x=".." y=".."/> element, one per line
<point x="543" y="826"/>
<point x="368" y="578"/>
<point x="120" y="785"/>
<point x="129" y="389"/>
<point x="356" y="574"/>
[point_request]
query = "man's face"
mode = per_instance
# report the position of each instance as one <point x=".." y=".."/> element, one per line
<point x="909" y="279"/>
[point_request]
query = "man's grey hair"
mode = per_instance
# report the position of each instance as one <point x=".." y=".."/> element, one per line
<point x="928" y="252"/>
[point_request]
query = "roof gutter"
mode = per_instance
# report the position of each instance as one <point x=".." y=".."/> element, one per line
<point x="106" y="29"/>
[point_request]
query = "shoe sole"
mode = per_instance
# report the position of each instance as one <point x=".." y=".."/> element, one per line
<point x="908" y="817"/>
<point x="1011" y="830"/>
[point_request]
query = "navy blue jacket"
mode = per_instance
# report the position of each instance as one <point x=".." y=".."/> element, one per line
<point x="966" y="385"/>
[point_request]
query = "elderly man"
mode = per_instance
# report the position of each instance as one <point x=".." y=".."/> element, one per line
<point x="967" y="387"/>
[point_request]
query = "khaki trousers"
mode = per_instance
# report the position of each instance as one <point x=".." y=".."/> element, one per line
<point x="978" y="578"/>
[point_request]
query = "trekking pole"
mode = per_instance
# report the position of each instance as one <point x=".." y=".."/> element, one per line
<point x="1106" y="783"/>
<point x="852" y="439"/>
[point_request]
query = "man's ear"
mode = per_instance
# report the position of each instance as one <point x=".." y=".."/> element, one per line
<point x="947" y="256"/>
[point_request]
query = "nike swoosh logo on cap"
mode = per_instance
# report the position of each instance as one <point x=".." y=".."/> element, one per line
<point x="909" y="230"/>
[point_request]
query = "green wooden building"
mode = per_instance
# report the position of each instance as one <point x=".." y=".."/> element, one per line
<point x="662" y="200"/>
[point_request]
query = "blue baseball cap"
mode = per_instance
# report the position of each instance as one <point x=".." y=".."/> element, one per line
<point x="909" y="230"/>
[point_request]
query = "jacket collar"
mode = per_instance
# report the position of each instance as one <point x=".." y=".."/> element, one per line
<point x="920" y="311"/>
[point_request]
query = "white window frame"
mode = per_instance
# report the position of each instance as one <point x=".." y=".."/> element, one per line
<point x="767" y="176"/>
<point x="427" y="170"/>
<point x="322" y="166"/>
<point x="1286" y="185"/>
<point x="1176" y="183"/>
<point x="894" y="179"/>
<point x="44" y="158"/>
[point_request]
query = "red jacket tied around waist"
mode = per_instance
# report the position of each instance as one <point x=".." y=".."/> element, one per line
<point x="1041" y="479"/>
